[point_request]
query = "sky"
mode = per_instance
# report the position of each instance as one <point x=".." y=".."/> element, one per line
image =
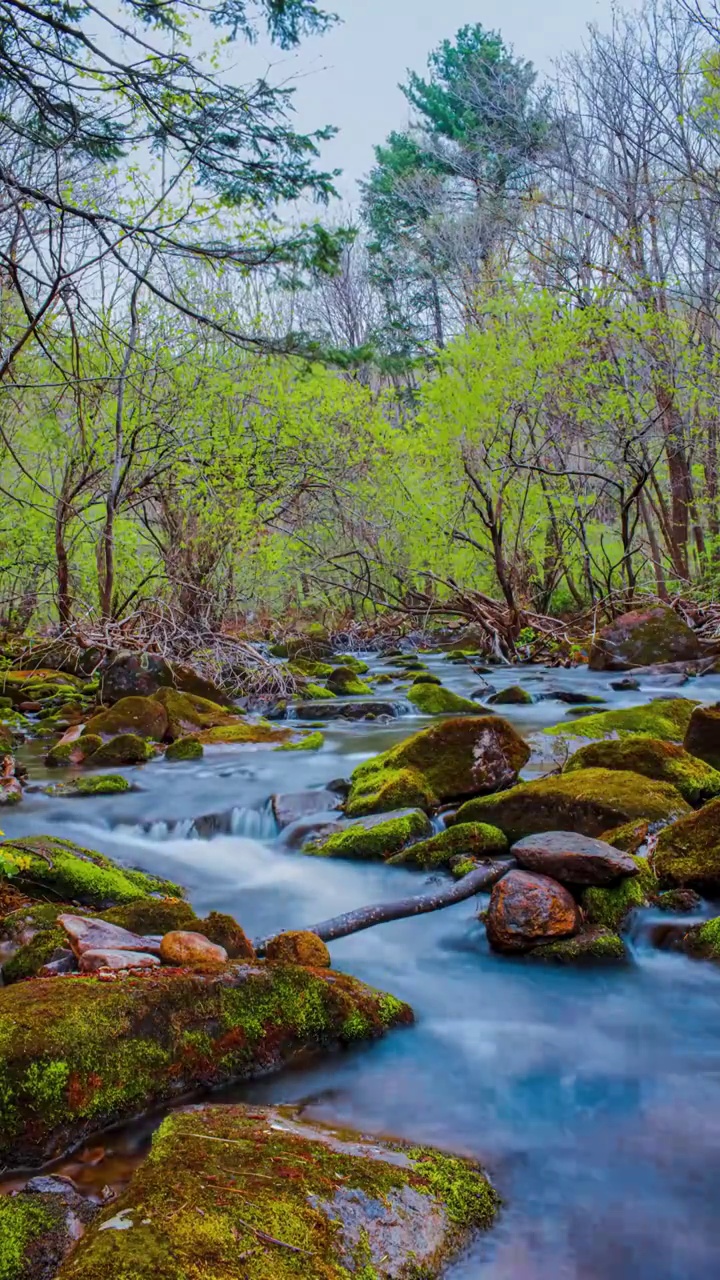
<point x="349" y="77"/>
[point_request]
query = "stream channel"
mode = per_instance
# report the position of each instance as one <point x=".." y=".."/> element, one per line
<point x="591" y="1095"/>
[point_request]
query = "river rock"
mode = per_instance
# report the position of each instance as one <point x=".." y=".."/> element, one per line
<point x="375" y="836"/>
<point x="186" y="949"/>
<point x="187" y="712"/>
<point x="338" y="709"/>
<point x="687" y="854"/>
<point x="88" y="934"/>
<point x="345" y="680"/>
<point x="513" y="696"/>
<point x="65" y="872"/>
<point x="94" y="961"/>
<point x="40" y="1225"/>
<point x="626" y="684"/>
<point x="573" y="859"/>
<point x="666" y="718"/>
<point x="702" y="738"/>
<point x="573" y="697"/>
<point x="526" y="910"/>
<point x="298" y="946"/>
<point x="436" y="700"/>
<point x="643" y="637"/>
<point x="142" y="716"/>
<point x="125" y="674"/>
<point x="302" y="804"/>
<point x="696" y="781"/>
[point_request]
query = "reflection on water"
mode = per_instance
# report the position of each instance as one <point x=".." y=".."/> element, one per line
<point x="593" y="1096"/>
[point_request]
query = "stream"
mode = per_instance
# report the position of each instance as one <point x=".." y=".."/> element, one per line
<point x="592" y="1096"/>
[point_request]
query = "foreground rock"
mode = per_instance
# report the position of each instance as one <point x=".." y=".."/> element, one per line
<point x="39" y="1226"/>
<point x="696" y="781"/>
<point x="526" y="910"/>
<point x="667" y="719"/>
<point x="230" y="1192"/>
<point x="191" y="950"/>
<point x="453" y="759"/>
<point x="643" y="637"/>
<point x="573" y="859"/>
<point x="78" y="1053"/>
<point x="688" y="852"/>
<point x="592" y="946"/>
<point x="590" y="801"/>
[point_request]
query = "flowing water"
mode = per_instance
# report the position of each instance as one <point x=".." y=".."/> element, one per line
<point x="592" y="1096"/>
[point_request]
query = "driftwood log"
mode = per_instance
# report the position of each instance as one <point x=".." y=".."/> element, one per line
<point x="480" y="879"/>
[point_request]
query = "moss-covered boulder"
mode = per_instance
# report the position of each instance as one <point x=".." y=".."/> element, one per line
<point x="309" y="742"/>
<point x="155" y="916"/>
<point x="188" y="748"/>
<point x="629" y="836"/>
<point x="696" y="781"/>
<point x="46" y="865"/>
<point x="371" y="837"/>
<point x="225" y="932"/>
<point x="470" y="840"/>
<point x="687" y="854"/>
<point x="513" y="696"/>
<point x="39" y="1226"/>
<point x="317" y="693"/>
<point x="424" y="677"/>
<point x="436" y="700"/>
<point x="668" y="719"/>
<point x="245" y="733"/>
<point x="186" y="712"/>
<point x="141" y="716"/>
<point x="298" y="946"/>
<point x="452" y="759"/>
<point x="126" y="748"/>
<point x="703" y="940"/>
<point x="609" y="908"/>
<point x="702" y="738"/>
<point x="347" y="682"/>
<point x="78" y="1053"/>
<point x="589" y="801"/>
<point x="591" y="946"/>
<point x="355" y="664"/>
<point x="312" y="670"/>
<point x="100" y="784"/>
<point x="127" y="674"/>
<point x="74" y="751"/>
<point x="238" y="1193"/>
<point x="643" y="637"/>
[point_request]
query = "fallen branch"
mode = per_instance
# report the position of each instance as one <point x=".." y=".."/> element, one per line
<point x="481" y="878"/>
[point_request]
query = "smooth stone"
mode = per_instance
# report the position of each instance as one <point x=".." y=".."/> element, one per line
<point x="573" y="698"/>
<point x="110" y="958"/>
<point x="335" y="709"/>
<point x="181" y="947"/>
<point x="98" y="935"/>
<point x="301" y="804"/>
<point x="526" y="910"/>
<point x="573" y="859"/>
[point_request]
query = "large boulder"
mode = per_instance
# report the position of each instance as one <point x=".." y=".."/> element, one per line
<point x="573" y="859"/>
<point x="455" y="758"/>
<point x="526" y="910"/>
<point x="124" y="674"/>
<point x="186" y="712"/>
<point x="78" y="1053"/>
<point x="702" y="737"/>
<point x="124" y="748"/>
<point x="642" y="637"/>
<point x="590" y="801"/>
<point x="345" y="680"/>
<point x="666" y="718"/>
<point x="696" y="781"/>
<point x="374" y="836"/>
<point x="47" y="865"/>
<point x="688" y="852"/>
<point x="142" y="716"/>
<point x="231" y="1191"/>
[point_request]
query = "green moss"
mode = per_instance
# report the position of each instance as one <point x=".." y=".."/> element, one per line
<point x="345" y="681"/>
<point x="30" y="958"/>
<point x="705" y="939"/>
<point x="225" y="932"/>
<point x="462" y="867"/>
<point x="142" y="717"/>
<point x="591" y="946"/>
<point x="379" y="840"/>
<point x="435" y="700"/>
<point x="66" y="753"/>
<point x="153" y="916"/>
<point x="426" y="678"/>
<point x="316" y="693"/>
<point x="688" y="852"/>
<point x="469" y="839"/>
<point x="311" y="742"/>
<point x="589" y="801"/>
<point x="126" y="748"/>
<point x="73" y="874"/>
<point x="514" y="695"/>
<point x="654" y="758"/>
<point x="668" y="718"/>
<point x="355" y="664"/>
<point x="316" y="670"/>
<point x="611" y="907"/>
<point x="24" y="1220"/>
<point x="379" y="789"/>
<point x="102" y="784"/>
<point x="188" y="748"/>
<point x="244" y="731"/>
<point x="629" y="837"/>
<point x="186" y="712"/>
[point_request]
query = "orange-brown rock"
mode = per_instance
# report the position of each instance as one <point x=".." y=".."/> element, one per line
<point x="299" y="947"/>
<point x="526" y="910"/>
<point x="191" y="949"/>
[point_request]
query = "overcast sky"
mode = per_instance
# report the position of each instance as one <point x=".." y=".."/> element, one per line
<point x="349" y="77"/>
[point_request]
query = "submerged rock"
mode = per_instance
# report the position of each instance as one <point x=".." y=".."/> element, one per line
<point x="527" y="909"/>
<point x="77" y="1053"/>
<point x="589" y="801"/>
<point x="320" y="1204"/>
<point x="694" y="779"/>
<point x="513" y="696"/>
<point x="374" y="836"/>
<point x="642" y="637"/>
<point x="592" y="946"/>
<point x="688" y="852"/>
<point x="100" y="784"/>
<point x="302" y="804"/>
<point x="75" y="749"/>
<point x="573" y="859"/>
<point x="338" y="709"/>
<point x="666" y="718"/>
<point x="702" y="738"/>
<point x="450" y="760"/>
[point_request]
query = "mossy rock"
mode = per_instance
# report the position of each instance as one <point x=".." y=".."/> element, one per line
<point x="298" y="946"/>
<point x="244" y="732"/>
<point x="317" y="693"/>
<point x="238" y="1193"/>
<point x="696" y="781"/>
<point x="629" y="837"/>
<point x="143" y="717"/>
<point x="101" y="784"/>
<point x="154" y="916"/>
<point x="355" y="664"/>
<point x="643" y="637"/>
<point x="77" y="1054"/>
<point x="668" y="718"/>
<point x="467" y="840"/>
<point x="592" y="946"/>
<point x="187" y="713"/>
<point x="436" y="700"/>
<point x="311" y="742"/>
<point x="703" y="940"/>
<point x="39" y="1226"/>
<point x="188" y="748"/>
<point x="450" y="760"/>
<point x="48" y="865"/>
<point x="366" y="838"/>
<point x="346" y="682"/>
<point x="126" y="748"/>
<point x="29" y="959"/>
<point x="313" y="670"/>
<point x="702" y="738"/>
<point x="589" y="801"/>
<point x="76" y="752"/>
<point x="609" y="908"/>
<point x="425" y="677"/>
<point x="687" y="854"/>
<point x="513" y="696"/>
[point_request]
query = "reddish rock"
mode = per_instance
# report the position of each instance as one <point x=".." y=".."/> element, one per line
<point x="641" y="638"/>
<point x="526" y="910"/>
<point x="184" y="948"/>
<point x="97" y="935"/>
<point x="573" y="859"/>
<point x="92" y="961"/>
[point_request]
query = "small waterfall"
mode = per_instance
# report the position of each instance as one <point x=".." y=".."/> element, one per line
<point x="256" y="824"/>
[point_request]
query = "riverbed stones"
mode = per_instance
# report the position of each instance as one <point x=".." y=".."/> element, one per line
<point x="187" y="949"/>
<point x="589" y="801"/>
<point x="573" y="859"/>
<point x="687" y="854"/>
<point x="322" y="1203"/>
<point x="702" y="738"/>
<point x="458" y="757"/>
<point x="641" y="637"/>
<point x="528" y="909"/>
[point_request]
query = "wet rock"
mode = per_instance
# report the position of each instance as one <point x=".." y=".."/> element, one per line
<point x="345" y="681"/>
<point x="514" y="695"/>
<point x="610" y="907"/>
<point x="626" y="684"/>
<point x="687" y="854"/>
<point x="425" y="677"/>
<point x="527" y="909"/>
<point x="94" y="961"/>
<point x="244" y="733"/>
<point x="298" y="947"/>
<point x="141" y="716"/>
<point x="642" y="637"/>
<point x="301" y="804"/>
<point x="188" y="748"/>
<point x="682" y="901"/>
<point x="702" y="738"/>
<point x="374" y="836"/>
<point x="696" y="781"/>
<point x="68" y="873"/>
<point x="61" y="961"/>
<point x="75" y="747"/>
<point x="340" y="710"/>
<point x="126" y="748"/>
<point x="102" y="784"/>
<point x="189" y="949"/>
<point x="591" y="946"/>
<point x="225" y="932"/>
<point x="703" y="940"/>
<point x="39" y="1226"/>
<point x="435" y="700"/>
<point x="186" y="712"/>
<point x="665" y="718"/>
<point x="357" y="1206"/>
<point x="126" y="674"/>
<point x="88" y="934"/>
<point x="573" y="859"/>
<point x="450" y="760"/>
<point x="589" y="801"/>
<point x="11" y="792"/>
<point x="573" y="697"/>
<point x="629" y="836"/>
<point x="473" y="840"/>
